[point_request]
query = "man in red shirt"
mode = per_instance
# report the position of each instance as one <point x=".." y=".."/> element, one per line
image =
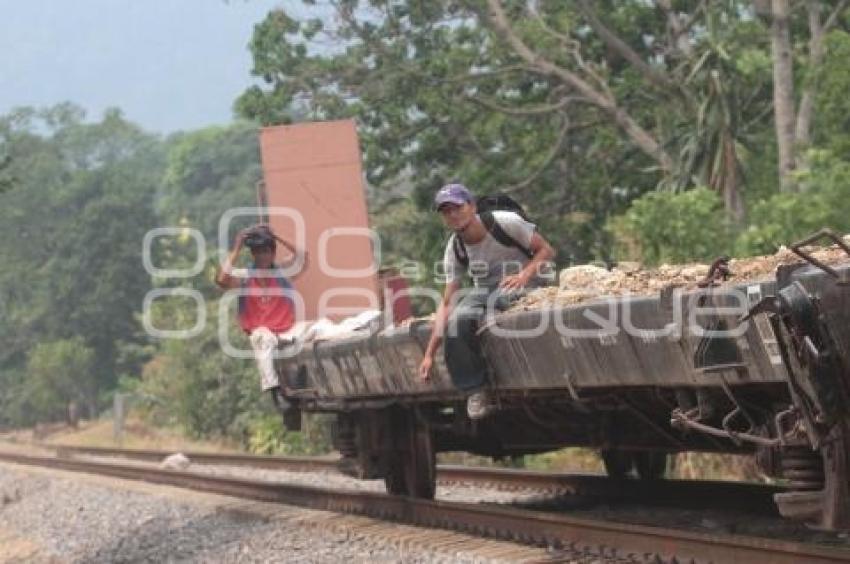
<point x="266" y="311"/>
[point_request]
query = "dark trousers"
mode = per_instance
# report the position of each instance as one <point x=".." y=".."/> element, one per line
<point x="461" y="345"/>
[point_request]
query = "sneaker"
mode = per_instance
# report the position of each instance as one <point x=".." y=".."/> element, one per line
<point x="290" y="413"/>
<point x="479" y="405"/>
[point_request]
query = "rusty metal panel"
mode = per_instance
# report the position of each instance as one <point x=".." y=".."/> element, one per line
<point x="576" y="351"/>
<point x="397" y="354"/>
<point x="755" y="363"/>
<point x="661" y="359"/>
<point x="403" y="347"/>
<point x="657" y="349"/>
<point x="315" y="168"/>
<point x="334" y="381"/>
<point x="339" y="359"/>
<point x="382" y="365"/>
<point x="518" y="362"/>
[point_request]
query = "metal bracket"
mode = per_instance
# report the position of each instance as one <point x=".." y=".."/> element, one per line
<point x="842" y="278"/>
<point x="768" y="304"/>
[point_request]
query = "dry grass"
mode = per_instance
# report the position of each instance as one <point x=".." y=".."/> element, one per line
<point x="686" y="466"/>
<point x="137" y="435"/>
<point x="573" y="459"/>
<point x="710" y="466"/>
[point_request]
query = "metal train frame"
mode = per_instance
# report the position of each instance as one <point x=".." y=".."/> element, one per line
<point x="760" y="368"/>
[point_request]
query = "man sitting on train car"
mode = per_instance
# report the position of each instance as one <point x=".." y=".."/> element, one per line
<point x="267" y="313"/>
<point x="503" y="254"/>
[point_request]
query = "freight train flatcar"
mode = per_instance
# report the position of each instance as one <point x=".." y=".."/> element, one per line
<point x="760" y="368"/>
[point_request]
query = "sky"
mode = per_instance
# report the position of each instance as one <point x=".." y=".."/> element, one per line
<point x="168" y="64"/>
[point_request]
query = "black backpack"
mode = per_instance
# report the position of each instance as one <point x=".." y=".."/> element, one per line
<point x="486" y="206"/>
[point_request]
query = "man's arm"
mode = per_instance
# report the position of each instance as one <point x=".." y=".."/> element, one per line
<point x="439" y="328"/>
<point x="224" y="277"/>
<point x="543" y="252"/>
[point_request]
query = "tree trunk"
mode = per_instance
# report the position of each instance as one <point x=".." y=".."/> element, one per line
<point x="72" y="416"/>
<point x="816" y="52"/>
<point x="732" y="199"/>
<point x="783" y="92"/>
<point x="641" y="138"/>
<point x="676" y="28"/>
<point x="600" y="97"/>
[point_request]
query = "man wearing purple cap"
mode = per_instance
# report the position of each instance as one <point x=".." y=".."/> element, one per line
<point x="503" y="254"/>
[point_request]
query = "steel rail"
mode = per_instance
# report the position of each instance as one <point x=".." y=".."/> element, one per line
<point x="296" y="463"/>
<point x="592" y="537"/>
<point x="676" y="493"/>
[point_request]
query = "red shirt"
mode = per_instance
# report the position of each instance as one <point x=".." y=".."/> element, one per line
<point x="274" y="312"/>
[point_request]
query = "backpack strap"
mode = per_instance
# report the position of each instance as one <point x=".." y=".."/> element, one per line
<point x="460" y="251"/>
<point x="493" y="228"/>
<point x="500" y="235"/>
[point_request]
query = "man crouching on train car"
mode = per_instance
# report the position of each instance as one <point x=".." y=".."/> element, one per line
<point x="266" y="318"/>
<point x="502" y="253"/>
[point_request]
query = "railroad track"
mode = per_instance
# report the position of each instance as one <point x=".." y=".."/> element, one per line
<point x="607" y="540"/>
<point x="578" y="488"/>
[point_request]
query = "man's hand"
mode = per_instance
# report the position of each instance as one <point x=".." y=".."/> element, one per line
<point x="239" y="240"/>
<point x="425" y="367"/>
<point x="515" y="281"/>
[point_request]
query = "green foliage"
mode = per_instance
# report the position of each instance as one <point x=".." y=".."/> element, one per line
<point x="269" y="436"/>
<point x="783" y="218"/>
<point x="193" y="384"/>
<point x="415" y="253"/>
<point x="70" y="234"/>
<point x="438" y="98"/>
<point x="197" y="386"/>
<point x="59" y="373"/>
<point x="6" y="180"/>
<point x="690" y="226"/>
<point x="676" y="228"/>
<point x="832" y="120"/>
<point x="208" y="172"/>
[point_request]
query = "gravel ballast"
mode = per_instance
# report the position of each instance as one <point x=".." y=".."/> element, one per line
<point x="468" y="493"/>
<point x="48" y="516"/>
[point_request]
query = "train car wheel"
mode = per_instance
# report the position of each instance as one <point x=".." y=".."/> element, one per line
<point x="421" y="465"/>
<point x="650" y="465"/>
<point x="411" y="469"/>
<point x="617" y="463"/>
<point x="394" y="478"/>
<point x="836" y="494"/>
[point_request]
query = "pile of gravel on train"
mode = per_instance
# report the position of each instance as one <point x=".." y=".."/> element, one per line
<point x="578" y="284"/>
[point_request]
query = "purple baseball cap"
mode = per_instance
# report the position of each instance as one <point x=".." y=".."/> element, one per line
<point x="452" y="194"/>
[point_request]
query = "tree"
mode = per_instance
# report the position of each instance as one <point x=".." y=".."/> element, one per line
<point x="71" y="232"/>
<point x="6" y="181"/>
<point x="60" y="374"/>
<point x="831" y="123"/>
<point x="679" y="228"/>
<point x="793" y="122"/>
<point x="208" y="172"/>
<point x="196" y="385"/>
<point x="573" y="107"/>
<point x="785" y="217"/>
<point x="729" y="79"/>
